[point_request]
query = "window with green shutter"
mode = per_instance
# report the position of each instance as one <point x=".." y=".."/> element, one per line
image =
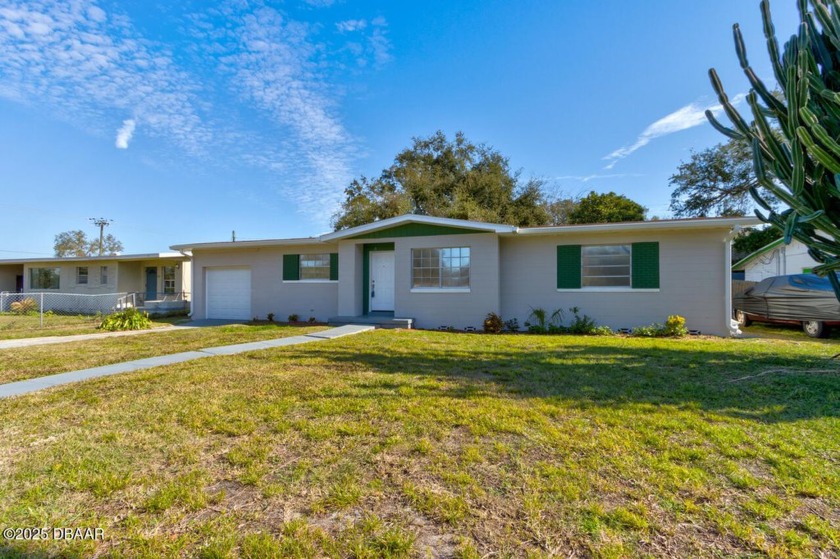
<point x="568" y="267"/>
<point x="334" y="266"/>
<point x="291" y="267"/>
<point x="310" y="267"/>
<point x="645" y="265"/>
<point x="633" y="266"/>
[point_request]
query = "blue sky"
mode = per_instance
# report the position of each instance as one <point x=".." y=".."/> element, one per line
<point x="183" y="121"/>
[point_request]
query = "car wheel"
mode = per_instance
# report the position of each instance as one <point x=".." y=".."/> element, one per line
<point x="815" y="328"/>
<point x="742" y="318"/>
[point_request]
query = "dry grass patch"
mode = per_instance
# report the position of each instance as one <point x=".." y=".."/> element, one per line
<point x="401" y="443"/>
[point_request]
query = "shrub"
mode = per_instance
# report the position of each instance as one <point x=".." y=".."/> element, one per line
<point x="674" y="327"/>
<point x="24" y="306"/>
<point x="270" y="317"/>
<point x="293" y="318"/>
<point x="512" y="325"/>
<point x="312" y="320"/>
<point x="129" y="319"/>
<point x="586" y="325"/>
<point x="493" y="323"/>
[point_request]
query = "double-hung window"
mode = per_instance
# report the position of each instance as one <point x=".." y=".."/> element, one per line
<point x="168" y="280"/>
<point x="440" y="268"/>
<point x="103" y="275"/>
<point x="310" y="267"/>
<point x="81" y="275"/>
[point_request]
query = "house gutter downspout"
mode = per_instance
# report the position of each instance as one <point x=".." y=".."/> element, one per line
<point x="731" y="324"/>
<point x="192" y="279"/>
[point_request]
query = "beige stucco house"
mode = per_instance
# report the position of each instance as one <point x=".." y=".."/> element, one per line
<point x="430" y="272"/>
<point x="155" y="281"/>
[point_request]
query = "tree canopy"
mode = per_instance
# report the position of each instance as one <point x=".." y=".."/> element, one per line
<point x="714" y="182"/>
<point x="606" y="208"/>
<point x="76" y="243"/>
<point x="438" y="177"/>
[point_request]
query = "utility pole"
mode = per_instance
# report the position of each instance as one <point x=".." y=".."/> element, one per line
<point x="102" y="223"/>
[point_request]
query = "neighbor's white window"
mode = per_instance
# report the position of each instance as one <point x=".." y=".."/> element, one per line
<point x="81" y="275"/>
<point x="440" y="267"/>
<point x="103" y="275"/>
<point x="168" y="280"/>
<point x="44" y="278"/>
<point x="605" y="266"/>
<point x="315" y="266"/>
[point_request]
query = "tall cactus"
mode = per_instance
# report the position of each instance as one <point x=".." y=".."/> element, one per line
<point x="799" y="164"/>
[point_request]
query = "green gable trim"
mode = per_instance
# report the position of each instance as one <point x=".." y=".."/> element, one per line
<point x="416" y="230"/>
<point x="366" y="250"/>
<point x="645" y="259"/>
<point x="568" y="267"/>
<point x="333" y="266"/>
<point x="291" y="267"/>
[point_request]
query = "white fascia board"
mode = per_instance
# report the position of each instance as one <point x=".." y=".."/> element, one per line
<point x="658" y="225"/>
<point x="412" y="218"/>
<point x="246" y="244"/>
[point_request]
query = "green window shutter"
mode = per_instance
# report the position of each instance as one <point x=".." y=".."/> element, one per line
<point x="333" y="266"/>
<point x="645" y="266"/>
<point x="568" y="267"/>
<point x="291" y="267"/>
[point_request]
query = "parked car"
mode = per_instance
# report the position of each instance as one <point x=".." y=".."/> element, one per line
<point x="804" y="299"/>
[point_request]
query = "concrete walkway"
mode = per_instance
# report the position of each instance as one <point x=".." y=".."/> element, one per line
<point x="35" y="384"/>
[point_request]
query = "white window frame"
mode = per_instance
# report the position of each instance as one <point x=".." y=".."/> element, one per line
<point x="315" y="257"/>
<point x="80" y="276"/>
<point x="167" y="289"/>
<point x="103" y="275"/>
<point x="420" y="254"/>
<point x="584" y="276"/>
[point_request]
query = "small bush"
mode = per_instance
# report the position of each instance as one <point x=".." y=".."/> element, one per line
<point x="24" y="306"/>
<point x="129" y="319"/>
<point x="493" y="323"/>
<point x="512" y="325"/>
<point x="270" y="317"/>
<point x="312" y="320"/>
<point x="293" y="318"/>
<point x="674" y="327"/>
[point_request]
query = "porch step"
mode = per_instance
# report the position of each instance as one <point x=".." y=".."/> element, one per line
<point x="378" y="321"/>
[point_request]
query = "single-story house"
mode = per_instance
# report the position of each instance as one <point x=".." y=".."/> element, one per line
<point x="156" y="282"/>
<point x="774" y="259"/>
<point x="431" y="272"/>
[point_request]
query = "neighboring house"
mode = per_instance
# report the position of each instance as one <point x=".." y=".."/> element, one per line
<point x="775" y="259"/>
<point x="156" y="281"/>
<point x="433" y="272"/>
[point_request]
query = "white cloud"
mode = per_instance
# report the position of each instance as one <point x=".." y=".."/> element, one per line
<point x="86" y="63"/>
<point x="597" y="176"/>
<point x="351" y="25"/>
<point x="84" y="66"/>
<point x="689" y="116"/>
<point x="125" y="133"/>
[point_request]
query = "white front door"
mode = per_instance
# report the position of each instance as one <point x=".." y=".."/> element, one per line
<point x="382" y="280"/>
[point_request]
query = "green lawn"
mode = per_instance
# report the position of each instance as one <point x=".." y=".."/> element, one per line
<point x="37" y="361"/>
<point x="395" y="443"/>
<point x="15" y="326"/>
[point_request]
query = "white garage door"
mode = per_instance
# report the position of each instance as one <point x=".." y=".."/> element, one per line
<point x="229" y="293"/>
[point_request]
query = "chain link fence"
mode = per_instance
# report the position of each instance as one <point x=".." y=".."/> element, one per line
<point x="45" y="309"/>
